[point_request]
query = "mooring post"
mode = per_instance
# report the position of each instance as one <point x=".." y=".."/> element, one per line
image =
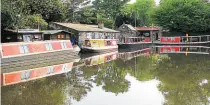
<point x="182" y="39"/>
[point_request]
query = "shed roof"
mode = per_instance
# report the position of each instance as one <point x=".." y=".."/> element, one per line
<point x="53" y="31"/>
<point x="85" y="27"/>
<point x="147" y="29"/>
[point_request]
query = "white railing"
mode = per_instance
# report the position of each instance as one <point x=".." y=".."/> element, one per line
<point x="203" y="38"/>
<point x="134" y="39"/>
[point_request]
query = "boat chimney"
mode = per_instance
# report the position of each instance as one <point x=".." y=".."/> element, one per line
<point x="100" y="24"/>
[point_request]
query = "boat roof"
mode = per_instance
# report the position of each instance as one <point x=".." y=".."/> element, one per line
<point x="147" y="29"/>
<point x="85" y="27"/>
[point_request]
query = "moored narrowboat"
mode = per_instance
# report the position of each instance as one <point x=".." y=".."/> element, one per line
<point x="184" y="40"/>
<point x="134" y="37"/>
<point x="91" y="38"/>
<point x="38" y="50"/>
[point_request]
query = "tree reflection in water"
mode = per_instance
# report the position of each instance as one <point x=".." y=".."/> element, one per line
<point x="112" y="78"/>
<point x="181" y="79"/>
<point x="184" y="80"/>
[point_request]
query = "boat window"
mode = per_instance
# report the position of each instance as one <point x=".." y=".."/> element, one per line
<point x="21" y="49"/>
<point x="24" y="49"/>
<point x="103" y="36"/>
<point x="50" y="70"/>
<point x="89" y="36"/>
<point x="63" y="45"/>
<point x="93" y="36"/>
<point x="87" y="43"/>
<point x="97" y="36"/>
<point x="25" y="75"/>
<point x="64" y="68"/>
<point x="108" y="42"/>
<point x="48" y="46"/>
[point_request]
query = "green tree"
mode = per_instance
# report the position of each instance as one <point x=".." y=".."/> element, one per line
<point x="11" y="12"/>
<point x="51" y="10"/>
<point x="73" y="8"/>
<point x="142" y="9"/>
<point x="183" y="15"/>
<point x="110" y="8"/>
<point x="15" y="13"/>
<point x="136" y="14"/>
<point x="86" y="15"/>
<point x="33" y="21"/>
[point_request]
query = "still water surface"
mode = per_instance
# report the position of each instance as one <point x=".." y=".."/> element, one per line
<point x="152" y="76"/>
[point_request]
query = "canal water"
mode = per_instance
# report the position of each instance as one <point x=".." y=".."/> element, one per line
<point x="158" y="75"/>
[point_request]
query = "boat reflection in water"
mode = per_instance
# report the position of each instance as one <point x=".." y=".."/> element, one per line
<point x="32" y="74"/>
<point x="117" y="77"/>
<point x="100" y="59"/>
<point x="182" y="49"/>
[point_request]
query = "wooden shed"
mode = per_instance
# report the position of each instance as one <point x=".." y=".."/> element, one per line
<point x="21" y="35"/>
<point x="56" y="35"/>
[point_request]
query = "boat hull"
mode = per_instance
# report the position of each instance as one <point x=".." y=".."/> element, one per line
<point x="29" y="53"/>
<point x="194" y="44"/>
<point x="88" y="50"/>
<point x="138" y="45"/>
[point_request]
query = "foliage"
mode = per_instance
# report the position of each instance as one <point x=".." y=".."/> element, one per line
<point x="139" y="11"/>
<point x="20" y="11"/>
<point x="51" y="10"/>
<point x="34" y="21"/>
<point x="86" y="15"/>
<point x="110" y="8"/>
<point x="183" y="15"/>
<point x="142" y="9"/>
<point x="11" y="10"/>
<point x="73" y="8"/>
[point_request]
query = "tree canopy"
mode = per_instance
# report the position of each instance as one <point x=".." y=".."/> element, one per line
<point x="175" y="15"/>
<point x="183" y="15"/>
